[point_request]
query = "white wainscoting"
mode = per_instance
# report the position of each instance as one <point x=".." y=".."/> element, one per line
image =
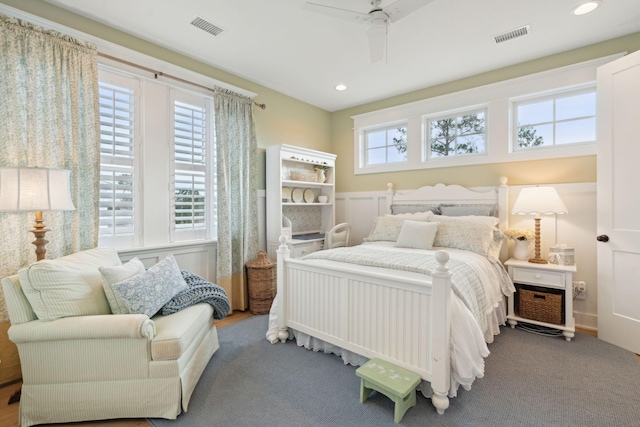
<point x="199" y="258"/>
<point x="577" y="229"/>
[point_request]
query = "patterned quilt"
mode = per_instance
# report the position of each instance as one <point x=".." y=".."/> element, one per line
<point x="199" y="290"/>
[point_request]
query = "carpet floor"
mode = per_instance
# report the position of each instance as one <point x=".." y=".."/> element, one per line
<point x="530" y="380"/>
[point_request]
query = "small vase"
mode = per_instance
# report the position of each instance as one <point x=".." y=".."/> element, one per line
<point x="321" y="175"/>
<point x="521" y="250"/>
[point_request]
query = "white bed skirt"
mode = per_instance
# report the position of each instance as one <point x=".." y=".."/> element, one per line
<point x="468" y="347"/>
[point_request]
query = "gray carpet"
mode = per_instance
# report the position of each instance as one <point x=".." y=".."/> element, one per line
<point x="530" y="380"/>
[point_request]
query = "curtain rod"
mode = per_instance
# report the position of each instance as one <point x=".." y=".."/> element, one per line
<point x="161" y="74"/>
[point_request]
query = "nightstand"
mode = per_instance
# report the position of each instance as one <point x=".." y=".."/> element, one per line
<point x="542" y="286"/>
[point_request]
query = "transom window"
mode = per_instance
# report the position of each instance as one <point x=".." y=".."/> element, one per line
<point x="457" y="135"/>
<point x="567" y="118"/>
<point x="385" y="145"/>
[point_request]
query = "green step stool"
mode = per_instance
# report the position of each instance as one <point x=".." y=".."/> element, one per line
<point x="396" y="383"/>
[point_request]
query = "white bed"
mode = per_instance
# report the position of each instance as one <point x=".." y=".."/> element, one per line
<point x="415" y="319"/>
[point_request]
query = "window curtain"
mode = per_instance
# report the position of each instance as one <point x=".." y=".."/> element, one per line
<point x="236" y="157"/>
<point x="48" y="118"/>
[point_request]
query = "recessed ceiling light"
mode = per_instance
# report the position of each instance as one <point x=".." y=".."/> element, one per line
<point x="341" y="86"/>
<point x="586" y="7"/>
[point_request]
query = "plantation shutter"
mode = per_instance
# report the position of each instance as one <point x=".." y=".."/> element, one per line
<point x="117" y="150"/>
<point x="191" y="154"/>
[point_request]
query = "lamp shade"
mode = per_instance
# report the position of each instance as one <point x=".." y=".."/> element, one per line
<point x="35" y="189"/>
<point x="538" y="201"/>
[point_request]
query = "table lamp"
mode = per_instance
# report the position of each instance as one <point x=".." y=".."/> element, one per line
<point x="35" y="190"/>
<point x="538" y="201"/>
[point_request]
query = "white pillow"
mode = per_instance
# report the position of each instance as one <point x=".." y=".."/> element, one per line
<point x="385" y="228"/>
<point x="417" y="234"/>
<point x="416" y="216"/>
<point x="68" y="286"/>
<point x="111" y="275"/>
<point x="147" y="292"/>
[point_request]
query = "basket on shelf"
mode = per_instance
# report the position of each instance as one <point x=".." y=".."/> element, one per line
<point x="261" y="281"/>
<point x="543" y="306"/>
<point x="304" y="175"/>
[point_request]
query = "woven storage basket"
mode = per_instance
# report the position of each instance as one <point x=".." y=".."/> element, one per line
<point x="540" y="306"/>
<point x="261" y="278"/>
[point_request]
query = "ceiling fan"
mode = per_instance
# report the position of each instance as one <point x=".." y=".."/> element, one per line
<point x="378" y="19"/>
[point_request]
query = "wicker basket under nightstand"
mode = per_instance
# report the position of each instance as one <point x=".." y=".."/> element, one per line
<point x="540" y="304"/>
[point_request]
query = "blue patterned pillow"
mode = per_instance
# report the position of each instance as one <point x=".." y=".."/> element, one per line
<point x="147" y="292"/>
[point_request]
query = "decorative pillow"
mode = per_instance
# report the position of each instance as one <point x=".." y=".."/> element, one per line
<point x="412" y="208"/>
<point x="417" y="234"/>
<point x="68" y="286"/>
<point x="386" y="228"/>
<point x="460" y="210"/>
<point x="416" y="216"/>
<point x="490" y="220"/>
<point x="111" y="275"/>
<point x="471" y="236"/>
<point x="496" y="245"/>
<point x="147" y="292"/>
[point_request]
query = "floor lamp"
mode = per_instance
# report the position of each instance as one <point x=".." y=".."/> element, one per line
<point x="35" y="190"/>
<point x="538" y="201"/>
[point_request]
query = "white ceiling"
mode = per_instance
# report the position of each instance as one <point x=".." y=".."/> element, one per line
<point x="280" y="45"/>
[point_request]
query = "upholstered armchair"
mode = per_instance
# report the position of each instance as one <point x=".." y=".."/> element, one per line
<point x="80" y="362"/>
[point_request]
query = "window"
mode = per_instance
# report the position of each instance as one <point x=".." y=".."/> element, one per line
<point x="157" y="154"/>
<point x="117" y="159"/>
<point x="462" y="134"/>
<point x="567" y="118"/>
<point x="385" y="145"/>
<point x="192" y="118"/>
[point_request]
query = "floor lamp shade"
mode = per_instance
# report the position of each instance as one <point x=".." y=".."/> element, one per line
<point x="35" y="190"/>
<point x="538" y="201"/>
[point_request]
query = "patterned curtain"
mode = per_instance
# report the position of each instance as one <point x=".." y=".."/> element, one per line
<point x="49" y="118"/>
<point x="237" y="192"/>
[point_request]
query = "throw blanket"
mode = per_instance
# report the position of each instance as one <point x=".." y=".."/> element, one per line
<point x="464" y="282"/>
<point x="199" y="290"/>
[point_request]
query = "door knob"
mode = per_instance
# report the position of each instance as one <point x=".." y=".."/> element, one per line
<point x="602" y="238"/>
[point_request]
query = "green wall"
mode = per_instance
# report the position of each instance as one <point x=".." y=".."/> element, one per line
<point x="575" y="169"/>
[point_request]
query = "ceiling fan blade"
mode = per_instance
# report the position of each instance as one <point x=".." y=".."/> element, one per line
<point x="377" y="34"/>
<point x="349" y="15"/>
<point x="401" y="8"/>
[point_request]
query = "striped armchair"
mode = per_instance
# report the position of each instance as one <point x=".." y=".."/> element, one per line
<point x="99" y="365"/>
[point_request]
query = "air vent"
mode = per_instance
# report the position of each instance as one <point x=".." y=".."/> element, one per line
<point x="207" y="26"/>
<point x="518" y="32"/>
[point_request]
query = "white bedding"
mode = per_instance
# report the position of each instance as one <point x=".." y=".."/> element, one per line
<point x="468" y="340"/>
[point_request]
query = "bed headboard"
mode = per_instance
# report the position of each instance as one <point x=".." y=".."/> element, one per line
<point x="428" y="197"/>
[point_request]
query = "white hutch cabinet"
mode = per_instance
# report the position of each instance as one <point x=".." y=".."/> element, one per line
<point x="300" y="198"/>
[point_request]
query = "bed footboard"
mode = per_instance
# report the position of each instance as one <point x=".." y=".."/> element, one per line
<point x="402" y="320"/>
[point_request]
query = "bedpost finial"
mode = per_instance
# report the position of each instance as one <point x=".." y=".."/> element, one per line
<point x="389" y="186"/>
<point x="442" y="257"/>
<point x="283" y="242"/>
<point x="503" y="181"/>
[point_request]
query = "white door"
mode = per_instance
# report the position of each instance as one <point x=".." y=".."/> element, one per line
<point x="619" y="202"/>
